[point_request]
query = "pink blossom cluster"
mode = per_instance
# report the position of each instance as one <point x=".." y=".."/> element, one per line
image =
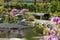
<point x="55" y="20"/>
<point x="15" y="11"/>
<point x="24" y="10"/>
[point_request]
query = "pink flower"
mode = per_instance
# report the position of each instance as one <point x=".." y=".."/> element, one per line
<point x="48" y="38"/>
<point x="24" y="10"/>
<point x="14" y="10"/>
<point x="55" y="20"/>
<point x="58" y="22"/>
<point x="52" y="32"/>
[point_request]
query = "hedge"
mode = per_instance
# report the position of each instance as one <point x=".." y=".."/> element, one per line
<point x="40" y="7"/>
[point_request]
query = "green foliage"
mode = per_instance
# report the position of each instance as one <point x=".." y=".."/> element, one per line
<point x="14" y="20"/>
<point x="1" y="2"/>
<point x="55" y="14"/>
<point x="38" y="30"/>
<point x="40" y="7"/>
<point x="31" y="8"/>
<point x="58" y="7"/>
<point x="29" y="35"/>
<point x="6" y="20"/>
<point x="54" y="6"/>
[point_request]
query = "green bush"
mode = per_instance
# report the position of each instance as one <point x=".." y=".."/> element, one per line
<point x="53" y="6"/>
<point x="40" y="7"/>
<point x="38" y="30"/>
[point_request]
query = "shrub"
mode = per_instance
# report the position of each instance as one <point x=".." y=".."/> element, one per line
<point x="40" y="7"/>
<point x="38" y="30"/>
